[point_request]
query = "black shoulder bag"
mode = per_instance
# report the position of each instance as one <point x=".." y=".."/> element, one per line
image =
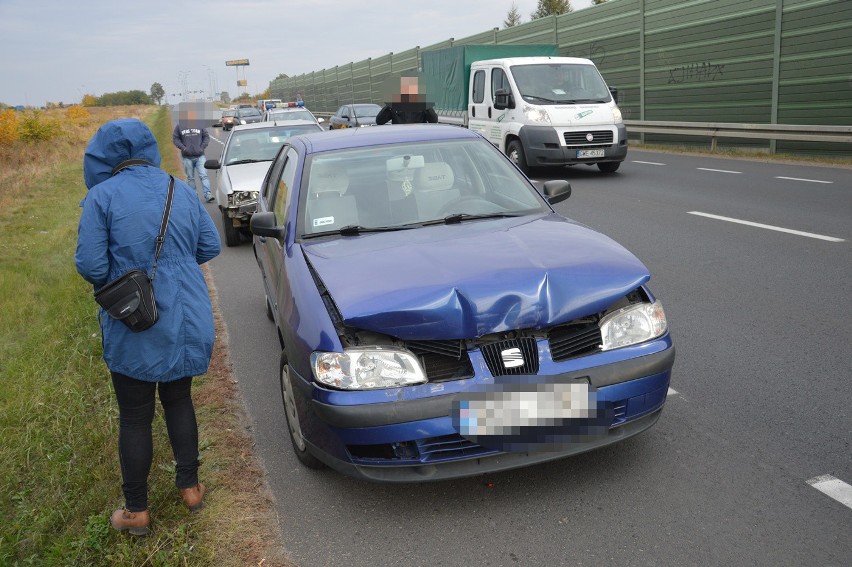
<point x="130" y="297"/>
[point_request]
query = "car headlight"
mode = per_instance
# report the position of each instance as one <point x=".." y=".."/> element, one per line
<point x="632" y="325"/>
<point x="534" y="114"/>
<point x="242" y="197"/>
<point x="367" y="368"/>
<point x="616" y="115"/>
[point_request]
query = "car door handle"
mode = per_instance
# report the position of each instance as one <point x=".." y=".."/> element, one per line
<point x="489" y="112"/>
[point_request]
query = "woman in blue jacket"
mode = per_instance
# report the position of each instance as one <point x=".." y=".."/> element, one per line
<point x="117" y="233"/>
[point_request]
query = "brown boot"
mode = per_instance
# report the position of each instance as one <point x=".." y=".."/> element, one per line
<point x="137" y="523"/>
<point x="193" y="497"/>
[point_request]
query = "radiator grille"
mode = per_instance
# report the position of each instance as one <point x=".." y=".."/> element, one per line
<point x="496" y="356"/>
<point x="599" y="138"/>
<point x="572" y="341"/>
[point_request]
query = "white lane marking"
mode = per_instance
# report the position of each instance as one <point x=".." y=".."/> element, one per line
<point x="834" y="488"/>
<point x="800" y="179"/>
<point x="671" y="392"/>
<point x="768" y="227"/>
<point x="648" y="162"/>
<point x="216" y="140"/>
<point x="718" y="170"/>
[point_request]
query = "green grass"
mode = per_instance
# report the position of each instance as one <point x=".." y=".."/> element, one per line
<point x="59" y="470"/>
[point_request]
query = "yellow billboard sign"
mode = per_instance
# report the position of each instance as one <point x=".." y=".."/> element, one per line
<point x="236" y="62"/>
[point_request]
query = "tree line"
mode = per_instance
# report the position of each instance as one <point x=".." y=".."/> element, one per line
<point x="545" y="8"/>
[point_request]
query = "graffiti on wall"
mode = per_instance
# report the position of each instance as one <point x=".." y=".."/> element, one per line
<point x="695" y="72"/>
<point x="596" y="52"/>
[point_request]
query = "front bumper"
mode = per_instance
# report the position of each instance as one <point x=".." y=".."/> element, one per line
<point x="415" y="440"/>
<point x="242" y="212"/>
<point x="543" y="147"/>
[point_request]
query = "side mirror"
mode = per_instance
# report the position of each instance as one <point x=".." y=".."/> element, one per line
<point x="212" y="164"/>
<point x="614" y="92"/>
<point x="503" y="99"/>
<point x="320" y="120"/>
<point x="264" y="224"/>
<point x="555" y="191"/>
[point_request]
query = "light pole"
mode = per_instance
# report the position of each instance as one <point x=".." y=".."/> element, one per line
<point x="182" y="77"/>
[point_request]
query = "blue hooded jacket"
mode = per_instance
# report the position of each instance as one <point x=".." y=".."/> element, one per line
<point x="117" y="232"/>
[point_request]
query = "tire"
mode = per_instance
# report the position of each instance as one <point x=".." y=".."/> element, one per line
<point x="609" y="166"/>
<point x="232" y="233"/>
<point x="291" y="414"/>
<point x="515" y="151"/>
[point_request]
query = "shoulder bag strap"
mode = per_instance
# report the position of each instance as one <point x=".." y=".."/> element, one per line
<point x="164" y="225"/>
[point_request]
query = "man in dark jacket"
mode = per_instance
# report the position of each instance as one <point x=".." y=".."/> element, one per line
<point x="192" y="139"/>
<point x="408" y="107"/>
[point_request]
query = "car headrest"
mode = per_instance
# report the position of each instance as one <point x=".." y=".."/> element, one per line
<point x="436" y="176"/>
<point x="328" y="178"/>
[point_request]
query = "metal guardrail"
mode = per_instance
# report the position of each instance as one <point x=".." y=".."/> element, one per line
<point x="716" y="130"/>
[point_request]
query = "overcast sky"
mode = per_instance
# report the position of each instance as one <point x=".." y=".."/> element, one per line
<point x="59" y="50"/>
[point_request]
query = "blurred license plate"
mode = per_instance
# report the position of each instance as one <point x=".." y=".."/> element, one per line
<point x="589" y="153"/>
<point x="509" y="411"/>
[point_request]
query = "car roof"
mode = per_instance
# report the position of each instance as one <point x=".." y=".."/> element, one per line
<point x="347" y="138"/>
<point x="292" y="121"/>
<point x="268" y="124"/>
<point x="284" y="110"/>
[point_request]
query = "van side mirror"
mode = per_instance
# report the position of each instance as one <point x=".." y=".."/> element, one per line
<point x="212" y="164"/>
<point x="614" y="92"/>
<point x="503" y="99"/>
<point x="265" y="224"/>
<point x="555" y="191"/>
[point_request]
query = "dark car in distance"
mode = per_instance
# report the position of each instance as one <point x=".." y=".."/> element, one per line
<point x="354" y="116"/>
<point x="243" y="115"/>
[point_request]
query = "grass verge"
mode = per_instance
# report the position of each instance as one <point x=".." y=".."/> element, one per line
<point x="59" y="471"/>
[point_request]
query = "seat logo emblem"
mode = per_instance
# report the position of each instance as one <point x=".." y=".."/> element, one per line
<point x="512" y="357"/>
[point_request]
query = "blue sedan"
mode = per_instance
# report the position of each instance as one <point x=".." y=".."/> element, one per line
<point x="437" y="317"/>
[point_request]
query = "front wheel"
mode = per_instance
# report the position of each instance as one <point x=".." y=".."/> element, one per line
<point x="609" y="166"/>
<point x="232" y="233"/>
<point x="292" y="416"/>
<point x="515" y="151"/>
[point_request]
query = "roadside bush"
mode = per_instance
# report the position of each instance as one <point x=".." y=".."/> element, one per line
<point x="77" y="114"/>
<point x="8" y="127"/>
<point x="36" y="128"/>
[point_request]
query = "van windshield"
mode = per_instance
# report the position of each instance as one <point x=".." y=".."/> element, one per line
<point x="560" y="83"/>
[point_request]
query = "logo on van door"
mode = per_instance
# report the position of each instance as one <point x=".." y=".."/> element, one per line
<point x="583" y="114"/>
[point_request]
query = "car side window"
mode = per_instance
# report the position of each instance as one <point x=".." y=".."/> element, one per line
<point x="478" y="87"/>
<point x="499" y="82"/>
<point x="272" y="178"/>
<point x="285" y="183"/>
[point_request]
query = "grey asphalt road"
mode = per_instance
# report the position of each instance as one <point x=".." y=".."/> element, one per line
<point x="763" y="327"/>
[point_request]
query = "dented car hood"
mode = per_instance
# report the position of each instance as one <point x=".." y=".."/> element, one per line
<point x="475" y="278"/>
<point x="247" y="176"/>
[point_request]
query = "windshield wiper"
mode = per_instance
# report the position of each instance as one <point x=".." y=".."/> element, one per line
<point x="538" y="98"/>
<point x="459" y="217"/>
<point x="242" y="161"/>
<point x="582" y="101"/>
<point x="356" y="229"/>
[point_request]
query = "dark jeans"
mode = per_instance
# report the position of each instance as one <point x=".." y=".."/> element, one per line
<point x="135" y="445"/>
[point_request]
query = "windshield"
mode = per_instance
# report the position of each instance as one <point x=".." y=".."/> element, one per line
<point x="247" y="146"/>
<point x="366" y="110"/>
<point x="408" y="185"/>
<point x="560" y="83"/>
<point x="248" y="112"/>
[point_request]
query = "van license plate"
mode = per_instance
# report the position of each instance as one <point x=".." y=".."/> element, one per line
<point x="589" y="153"/>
